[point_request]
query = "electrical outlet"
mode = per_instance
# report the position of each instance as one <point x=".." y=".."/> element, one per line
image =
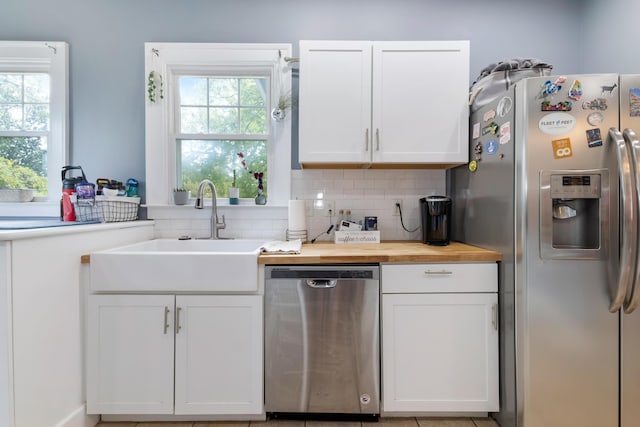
<point x="397" y="206"/>
<point x="329" y="208"/>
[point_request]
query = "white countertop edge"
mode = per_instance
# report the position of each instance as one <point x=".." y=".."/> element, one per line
<point x="70" y="229"/>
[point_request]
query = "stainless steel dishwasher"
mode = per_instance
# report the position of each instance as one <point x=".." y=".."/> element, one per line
<point x="322" y="355"/>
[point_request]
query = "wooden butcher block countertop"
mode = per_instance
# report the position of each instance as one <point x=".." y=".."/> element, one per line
<point x="405" y="251"/>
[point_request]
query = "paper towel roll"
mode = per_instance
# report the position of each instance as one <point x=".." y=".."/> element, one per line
<point x="297" y="215"/>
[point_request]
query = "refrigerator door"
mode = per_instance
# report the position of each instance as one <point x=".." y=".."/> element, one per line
<point x="567" y="341"/>
<point x="630" y="323"/>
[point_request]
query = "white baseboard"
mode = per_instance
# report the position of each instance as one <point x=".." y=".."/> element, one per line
<point x="79" y="418"/>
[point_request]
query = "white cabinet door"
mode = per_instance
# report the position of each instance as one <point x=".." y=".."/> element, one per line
<point x="219" y="354"/>
<point x="440" y="352"/>
<point x="335" y="102"/>
<point x="386" y="103"/>
<point x="130" y="354"/>
<point x="420" y="102"/>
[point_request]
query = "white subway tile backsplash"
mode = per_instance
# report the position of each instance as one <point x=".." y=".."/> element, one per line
<point x="366" y="192"/>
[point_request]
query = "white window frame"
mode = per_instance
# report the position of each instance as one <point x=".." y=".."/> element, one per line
<point x="51" y="58"/>
<point x="171" y="59"/>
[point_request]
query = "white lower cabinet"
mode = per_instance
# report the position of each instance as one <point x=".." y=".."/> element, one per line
<point x="439" y="338"/>
<point x="216" y="339"/>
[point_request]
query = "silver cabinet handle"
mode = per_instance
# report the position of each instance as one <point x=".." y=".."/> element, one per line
<point x="178" y="327"/>
<point x="494" y="316"/>
<point x="366" y="140"/>
<point x="437" y="272"/>
<point x="166" y="319"/>
<point x="377" y="139"/>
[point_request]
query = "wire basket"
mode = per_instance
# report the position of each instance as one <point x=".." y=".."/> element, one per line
<point x="107" y="209"/>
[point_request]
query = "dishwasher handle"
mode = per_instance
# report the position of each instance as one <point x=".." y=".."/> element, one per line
<point x="321" y="283"/>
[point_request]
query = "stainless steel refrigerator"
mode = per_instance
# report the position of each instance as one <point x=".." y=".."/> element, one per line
<point x="545" y="187"/>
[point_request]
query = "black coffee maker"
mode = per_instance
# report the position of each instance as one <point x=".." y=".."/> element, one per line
<point x="436" y="220"/>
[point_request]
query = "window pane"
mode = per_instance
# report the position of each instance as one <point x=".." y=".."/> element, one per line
<point x="252" y="92"/>
<point x="223" y="92"/>
<point x="223" y="120"/>
<point x="193" y="91"/>
<point x="36" y="88"/>
<point x="10" y="88"/>
<point x="24" y="102"/>
<point x="216" y="161"/>
<point x="36" y="117"/>
<point x="11" y="117"/>
<point x="23" y="163"/>
<point x="253" y="121"/>
<point x="193" y="119"/>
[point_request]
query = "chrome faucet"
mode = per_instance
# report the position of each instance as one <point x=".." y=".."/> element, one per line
<point x="215" y="224"/>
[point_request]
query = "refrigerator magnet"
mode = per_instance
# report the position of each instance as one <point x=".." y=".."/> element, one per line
<point x="595" y="104"/>
<point x="575" y="91"/>
<point x="491" y="147"/>
<point x="560" y="106"/>
<point x="634" y="102"/>
<point x="608" y="90"/>
<point x="562" y="148"/>
<point x="594" y="139"/>
<point x="489" y="115"/>
<point x="491" y="128"/>
<point x="594" y="119"/>
<point x="476" y="130"/>
<point x="505" y="132"/>
<point x="473" y="165"/>
<point x="504" y="106"/>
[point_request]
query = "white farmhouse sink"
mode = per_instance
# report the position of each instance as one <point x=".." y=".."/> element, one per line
<point x="172" y="265"/>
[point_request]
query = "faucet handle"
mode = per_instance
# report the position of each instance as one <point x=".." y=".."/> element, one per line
<point x="221" y="224"/>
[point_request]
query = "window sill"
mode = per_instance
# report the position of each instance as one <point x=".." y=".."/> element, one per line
<point x="30" y="209"/>
<point x="240" y="211"/>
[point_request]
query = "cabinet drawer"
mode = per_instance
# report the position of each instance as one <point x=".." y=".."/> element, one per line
<point x="443" y="278"/>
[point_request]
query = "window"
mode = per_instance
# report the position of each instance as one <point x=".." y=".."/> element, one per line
<point x="33" y="115"/>
<point x="223" y="132"/>
<point x="208" y="116"/>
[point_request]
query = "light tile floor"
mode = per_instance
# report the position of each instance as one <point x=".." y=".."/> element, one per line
<point x="383" y="422"/>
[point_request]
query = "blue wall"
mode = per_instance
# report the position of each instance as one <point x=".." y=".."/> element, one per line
<point x="106" y="37"/>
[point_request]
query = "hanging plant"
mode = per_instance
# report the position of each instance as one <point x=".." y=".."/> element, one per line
<point x="153" y="81"/>
<point x="284" y="103"/>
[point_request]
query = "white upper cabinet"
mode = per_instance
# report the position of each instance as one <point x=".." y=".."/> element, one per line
<point x="383" y="104"/>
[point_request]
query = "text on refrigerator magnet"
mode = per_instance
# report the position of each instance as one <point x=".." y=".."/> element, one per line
<point x="491" y="147"/>
<point x="557" y="123"/>
<point x="505" y="132"/>
<point x="504" y="106"/>
<point x="560" y="106"/>
<point x="594" y="119"/>
<point x="562" y="148"/>
<point x="594" y="139"/>
<point x="608" y="90"/>
<point x="634" y="102"/>
<point x="575" y="91"/>
<point x="595" y="104"/>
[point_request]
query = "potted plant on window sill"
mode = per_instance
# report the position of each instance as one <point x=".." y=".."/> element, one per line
<point x="234" y="192"/>
<point x="180" y="196"/>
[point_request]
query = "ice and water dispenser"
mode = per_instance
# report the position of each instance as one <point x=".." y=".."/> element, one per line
<point x="574" y="213"/>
